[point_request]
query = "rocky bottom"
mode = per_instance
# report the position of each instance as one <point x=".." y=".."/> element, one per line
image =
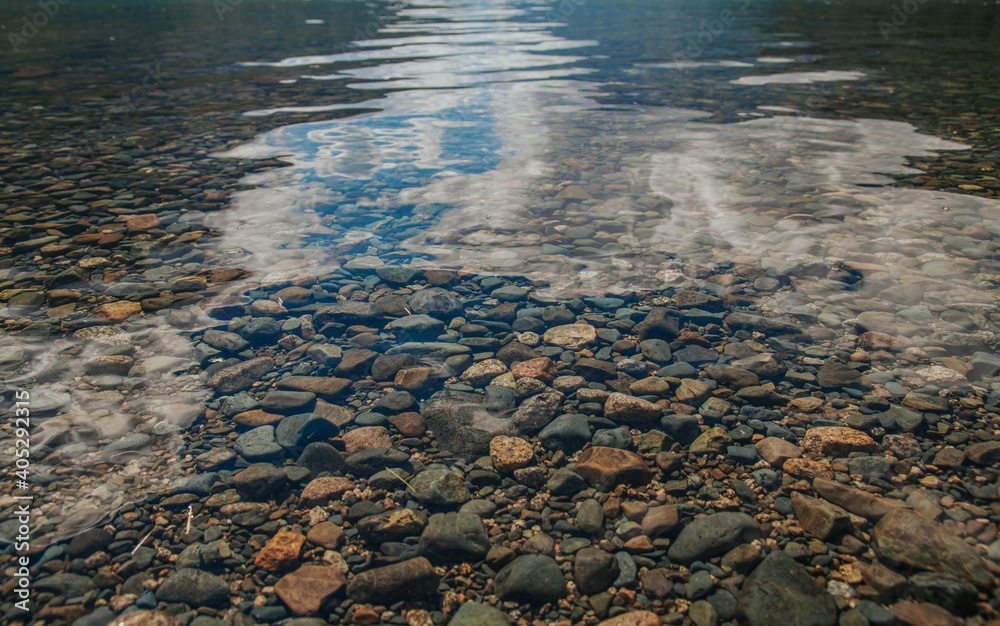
<point x="404" y="446"/>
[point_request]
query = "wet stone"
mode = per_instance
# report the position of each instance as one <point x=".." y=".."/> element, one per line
<point x="532" y="578"/>
<point x="780" y="591"/>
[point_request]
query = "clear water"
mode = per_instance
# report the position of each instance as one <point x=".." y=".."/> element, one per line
<point x="596" y="147"/>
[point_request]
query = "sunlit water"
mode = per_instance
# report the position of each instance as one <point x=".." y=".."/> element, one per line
<point x="594" y="147"/>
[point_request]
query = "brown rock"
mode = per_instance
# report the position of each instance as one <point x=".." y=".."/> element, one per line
<point x="819" y="518"/>
<point x="366" y="437"/>
<point x="985" y="453"/>
<point x="884" y="580"/>
<point x="606" y="467"/>
<point x="407" y="580"/>
<point x="240" y="376"/>
<point x="413" y="378"/>
<point x="807" y="404"/>
<point x="391" y="525"/>
<point x="333" y="413"/>
<point x="409" y="424"/>
<point x="281" y="552"/>
<point x="308" y="588"/>
<point x="837" y="441"/>
<point x="324" y="489"/>
<point x="257" y="417"/>
<point x="141" y="223"/>
<point x="620" y="407"/>
<point x="318" y="385"/>
<point x="875" y="340"/>
<point x="660" y="520"/>
<point x="923" y="614"/>
<point x="634" y="618"/>
<point x="712" y="441"/>
<point x="854" y="500"/>
<point x="571" y="336"/>
<point x="669" y="461"/>
<point x="655" y="584"/>
<point x="326" y="535"/>
<point x="541" y="368"/>
<point x="480" y="374"/>
<point x="650" y="386"/>
<point x="807" y="468"/>
<point x="510" y="453"/>
<point x="905" y="536"/>
<point x="776" y="451"/>
<point x="118" y="311"/>
<point x="146" y="618"/>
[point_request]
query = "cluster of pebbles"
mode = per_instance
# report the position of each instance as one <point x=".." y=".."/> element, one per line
<point x="390" y="443"/>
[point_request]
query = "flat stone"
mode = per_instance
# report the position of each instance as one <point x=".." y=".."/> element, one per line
<point x="440" y="487"/>
<point x="240" y="376"/>
<point x="905" y="536"/>
<point x="620" y="407"/>
<point x="306" y="590"/>
<point x="407" y="580"/>
<point x="776" y="451"/>
<point x="660" y="520"/>
<point x="280" y="552"/>
<point x="511" y="453"/>
<point x="571" y="336"/>
<point x="712" y="441"/>
<point x="194" y="588"/>
<point x="986" y="453"/>
<point x="594" y="570"/>
<point x="837" y="441"/>
<point x="818" y="517"/>
<point x="324" y="489"/>
<point x="634" y="618"/>
<point x="481" y="373"/>
<point x="476" y="614"/>
<point x="532" y="578"/>
<point x="780" y="591"/>
<point x="713" y="535"/>
<point x="605" y="468"/>
<point x="118" y="311"/>
<point x="454" y="537"/>
<point x="321" y="386"/>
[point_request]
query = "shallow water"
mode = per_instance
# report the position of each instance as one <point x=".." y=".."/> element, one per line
<point x="845" y="153"/>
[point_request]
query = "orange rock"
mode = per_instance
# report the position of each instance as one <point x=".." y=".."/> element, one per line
<point x="923" y="614"/>
<point x="510" y="453"/>
<point x="307" y="589"/>
<point x="635" y="618"/>
<point x="541" y="368"/>
<point x="806" y="468"/>
<point x="281" y="552"/>
<point x="366" y="437"/>
<point x="606" y="467"/>
<point x="837" y="441"/>
<point x="257" y="417"/>
<point x="142" y="222"/>
<point x="118" y="311"/>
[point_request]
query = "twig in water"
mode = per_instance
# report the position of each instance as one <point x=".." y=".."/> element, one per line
<point x="390" y="470"/>
<point x="190" y="515"/>
<point x="141" y="541"/>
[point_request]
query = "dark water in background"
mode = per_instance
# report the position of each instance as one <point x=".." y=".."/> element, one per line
<point x="596" y="146"/>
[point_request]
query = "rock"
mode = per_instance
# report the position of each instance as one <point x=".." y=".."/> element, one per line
<point x="462" y="423"/>
<point x="765" y="365"/>
<point x="320" y="457"/>
<point x="713" y="535"/>
<point x="606" y="467"/>
<point x="594" y="570"/>
<point x="475" y="614"/>
<point x="259" y="479"/>
<point x="240" y="376"/>
<point x="281" y="551"/>
<point x="712" y="441"/>
<point x="118" y="311"/>
<point x="532" y="578"/>
<point x="732" y="377"/>
<point x="194" y="588"/>
<point x="944" y="590"/>
<point x="366" y="437"/>
<point x="660" y="520"/>
<point x="624" y="408"/>
<point x="983" y="364"/>
<point x="440" y="486"/>
<point x="542" y="369"/>
<point x="258" y="444"/>
<point x="905" y="536"/>
<point x="837" y="441"/>
<point x="510" y="453"/>
<point x="537" y="411"/>
<point x="986" y="453"/>
<point x="590" y="517"/>
<point x="834" y="375"/>
<point x="89" y="541"/>
<point x="407" y="580"/>
<point x="454" y="537"/>
<point x="297" y="431"/>
<point x="436" y="302"/>
<point x="138" y="618"/>
<point x="326" y="387"/>
<point x="780" y="591"/>
<point x="306" y="590"/>
<point x="417" y="328"/>
<point x="225" y="341"/>
<point x="776" y="451"/>
<point x="392" y="525"/>
<point x="634" y="618"/>
<point x="348" y="312"/>
<point x="571" y="336"/>
<point x="322" y="490"/>
<point x="923" y="614"/>
<point x="768" y="325"/>
<point x="656" y="350"/>
<point x="681" y="428"/>
<point x="819" y="518"/>
<point x="372" y="460"/>
<point x="658" y="324"/>
<point x="480" y="374"/>
<point x="326" y="535"/>
<point x="568" y="433"/>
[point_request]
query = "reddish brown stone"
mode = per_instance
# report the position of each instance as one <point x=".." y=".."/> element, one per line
<point x="118" y="311"/>
<point x="140" y="223"/>
<point x="307" y="589"/>
<point x="606" y="467"/>
<point x="257" y="417"/>
<point x="326" y="535"/>
<point x="281" y="552"/>
<point x="837" y="441"/>
<point x="541" y="368"/>
<point x="319" y="385"/>
<point x="366" y="437"/>
<point x="413" y="378"/>
<point x="510" y="453"/>
<point x="322" y="490"/>
<point x="409" y="424"/>
<point x="776" y="451"/>
<point x="923" y="614"/>
<point x="634" y="618"/>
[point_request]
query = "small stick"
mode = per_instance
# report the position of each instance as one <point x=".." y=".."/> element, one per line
<point x="141" y="541"/>
<point x="190" y="515"/>
<point x="390" y="470"/>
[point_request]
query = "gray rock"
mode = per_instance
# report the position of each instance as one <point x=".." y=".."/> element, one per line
<point x="462" y="422"/>
<point x="260" y="479"/>
<point x="194" y="588"/>
<point x="568" y="433"/>
<point x="225" y="341"/>
<point x="297" y="431"/>
<point x="536" y="411"/>
<point x="656" y="350"/>
<point x="258" y="444"/>
<point x="713" y="535"/>
<point x="780" y="591"/>
<point x="440" y="486"/>
<point x="594" y="570"/>
<point x="454" y="537"/>
<point x="590" y="517"/>
<point x="436" y="302"/>
<point x="565" y="481"/>
<point x="475" y="614"/>
<point x="417" y="327"/>
<point x="373" y="460"/>
<point x="983" y="364"/>
<point x="240" y="376"/>
<point x="348" y="312"/>
<point x="532" y="578"/>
